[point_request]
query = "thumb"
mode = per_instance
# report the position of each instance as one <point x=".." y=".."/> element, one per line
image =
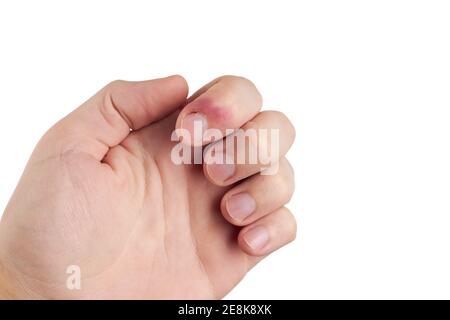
<point x="105" y="120"/>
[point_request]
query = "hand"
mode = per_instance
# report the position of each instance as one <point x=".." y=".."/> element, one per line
<point x="102" y="193"/>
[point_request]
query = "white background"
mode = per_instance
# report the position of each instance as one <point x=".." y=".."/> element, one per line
<point x="366" y="83"/>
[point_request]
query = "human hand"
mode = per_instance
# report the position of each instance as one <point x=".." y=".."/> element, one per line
<point x="112" y="201"/>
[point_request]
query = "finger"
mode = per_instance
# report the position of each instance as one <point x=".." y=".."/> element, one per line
<point x="268" y="233"/>
<point x="258" y="196"/>
<point x="226" y="103"/>
<point x="256" y="147"/>
<point x="105" y="119"/>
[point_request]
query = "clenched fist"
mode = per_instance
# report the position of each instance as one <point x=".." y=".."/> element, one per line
<point x="102" y="194"/>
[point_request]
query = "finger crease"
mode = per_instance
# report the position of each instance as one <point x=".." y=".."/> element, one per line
<point x="121" y="113"/>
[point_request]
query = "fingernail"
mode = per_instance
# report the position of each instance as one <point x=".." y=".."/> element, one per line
<point x="240" y="206"/>
<point x="220" y="172"/>
<point x="196" y="124"/>
<point x="257" y="237"/>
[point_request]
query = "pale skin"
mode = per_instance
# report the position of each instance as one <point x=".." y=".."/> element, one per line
<point x="108" y="199"/>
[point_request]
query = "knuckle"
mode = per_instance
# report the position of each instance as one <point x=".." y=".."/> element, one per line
<point x="291" y="224"/>
<point x="279" y="117"/>
<point x="285" y="188"/>
<point x="115" y="84"/>
<point x="282" y="122"/>
<point x="290" y="128"/>
<point x="233" y="79"/>
<point x="287" y="178"/>
<point x="233" y="82"/>
<point x="288" y="170"/>
<point x="110" y="108"/>
<point x="112" y="88"/>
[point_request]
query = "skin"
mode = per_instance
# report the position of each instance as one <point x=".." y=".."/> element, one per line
<point x="109" y="199"/>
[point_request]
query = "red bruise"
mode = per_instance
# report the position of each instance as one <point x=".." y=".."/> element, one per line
<point x="215" y="113"/>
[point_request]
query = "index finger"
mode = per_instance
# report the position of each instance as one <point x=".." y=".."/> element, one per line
<point x="225" y="103"/>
